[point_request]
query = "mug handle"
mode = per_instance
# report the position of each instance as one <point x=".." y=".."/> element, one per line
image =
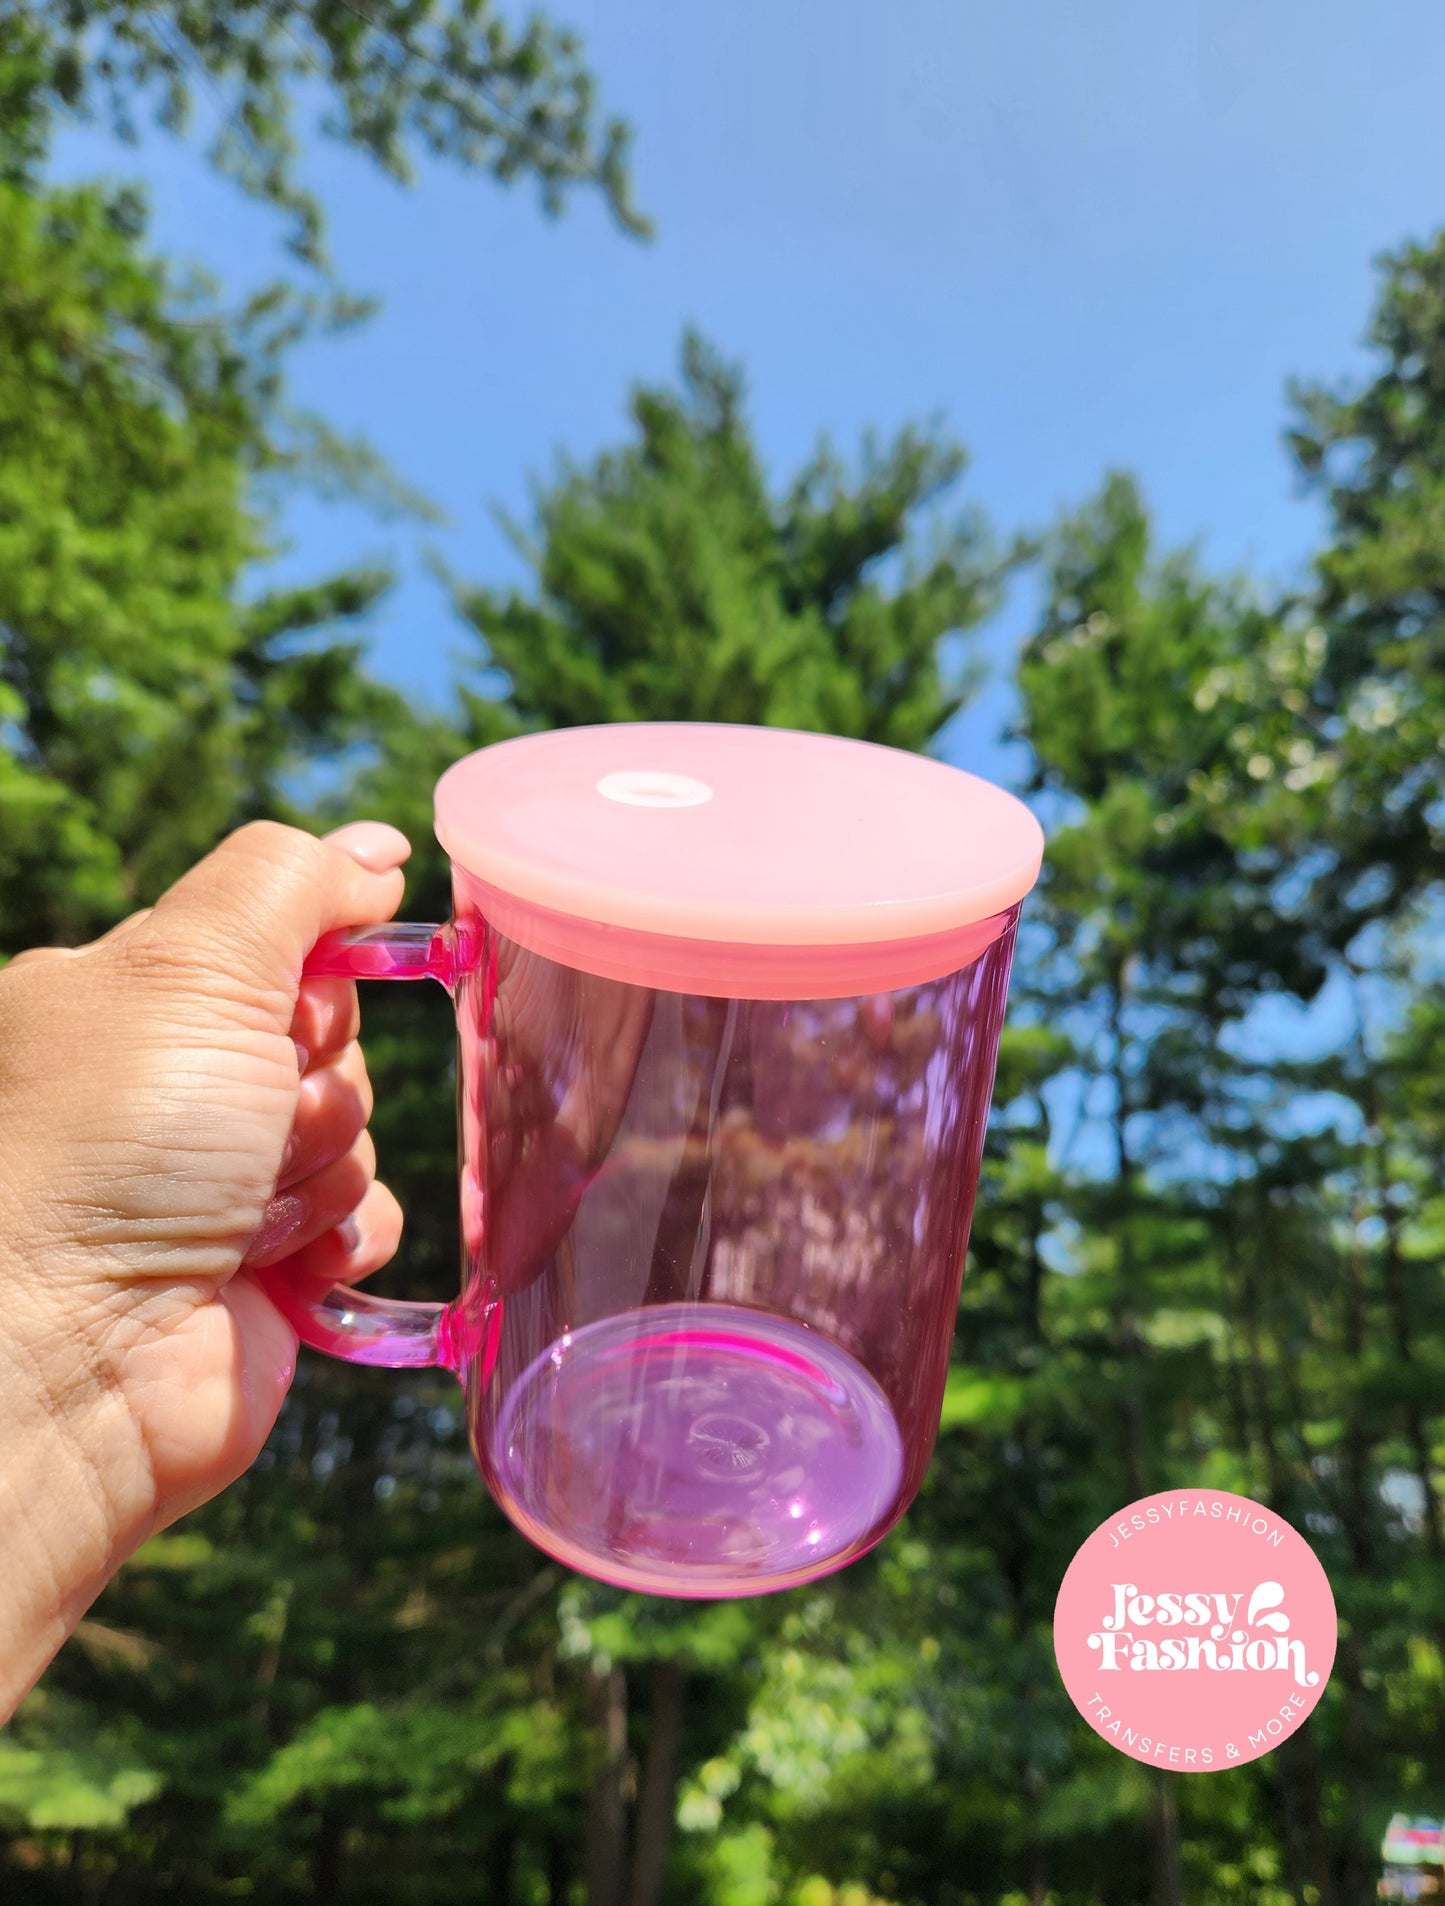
<point x="352" y="1324"/>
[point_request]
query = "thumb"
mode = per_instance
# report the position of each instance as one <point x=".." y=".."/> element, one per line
<point x="257" y="905"/>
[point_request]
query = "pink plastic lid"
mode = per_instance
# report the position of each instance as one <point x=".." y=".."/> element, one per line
<point x="748" y="862"/>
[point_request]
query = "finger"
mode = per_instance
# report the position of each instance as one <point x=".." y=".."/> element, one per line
<point x="356" y="1247"/>
<point x="295" y="1216"/>
<point x="326" y="1018"/>
<point x="256" y="906"/>
<point x="333" y="1103"/>
<point x="371" y="844"/>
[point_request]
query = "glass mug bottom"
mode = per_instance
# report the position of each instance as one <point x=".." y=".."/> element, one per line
<point x="699" y="1450"/>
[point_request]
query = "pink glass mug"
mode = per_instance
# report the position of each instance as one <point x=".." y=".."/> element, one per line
<point x="719" y="1150"/>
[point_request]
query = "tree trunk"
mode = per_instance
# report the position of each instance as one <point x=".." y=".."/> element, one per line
<point x="559" y="1872"/>
<point x="277" y="1617"/>
<point x="1259" y="1383"/>
<point x="1306" y="1841"/>
<point x="1128" y="1342"/>
<point x="326" y="1859"/>
<point x="1397" y="1295"/>
<point x="657" y="1802"/>
<point x="1358" y="1865"/>
<point x="607" y="1801"/>
<point x="1038" y="1874"/>
<point x="1164" y="1825"/>
<point x="1038" y="1853"/>
<point x="1358" y="1514"/>
<point x="501" y="1866"/>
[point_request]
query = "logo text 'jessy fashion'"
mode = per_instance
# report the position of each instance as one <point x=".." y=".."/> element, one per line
<point x="1192" y="1656"/>
<point x="1217" y="1647"/>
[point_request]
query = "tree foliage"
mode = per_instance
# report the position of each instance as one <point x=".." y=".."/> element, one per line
<point x="1368" y="732"/>
<point x="135" y="423"/>
<point x="394" y="79"/>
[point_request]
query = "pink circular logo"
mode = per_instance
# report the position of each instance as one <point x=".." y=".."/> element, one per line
<point x="1195" y="1630"/>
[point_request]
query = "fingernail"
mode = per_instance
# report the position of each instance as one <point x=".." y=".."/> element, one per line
<point x="371" y="844"/>
<point x="303" y="1056"/>
<point x="349" y="1234"/>
<point x="284" y="1215"/>
<point x="288" y="1156"/>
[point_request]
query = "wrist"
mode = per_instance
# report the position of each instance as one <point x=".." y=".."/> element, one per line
<point x="74" y="1498"/>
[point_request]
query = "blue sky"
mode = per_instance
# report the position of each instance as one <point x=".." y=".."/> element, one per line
<point x="1084" y="236"/>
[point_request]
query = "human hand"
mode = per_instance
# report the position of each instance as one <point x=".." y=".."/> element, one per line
<point x="177" y="1109"/>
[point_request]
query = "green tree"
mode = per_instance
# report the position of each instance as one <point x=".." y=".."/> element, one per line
<point x="671" y="586"/>
<point x="395" y="81"/>
<point x="1345" y="747"/>
<point x="135" y="423"/>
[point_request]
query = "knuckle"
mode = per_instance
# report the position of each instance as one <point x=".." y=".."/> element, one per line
<point x="271" y="837"/>
<point x="349" y="1027"/>
<point x="363" y="1100"/>
<point x="353" y="1110"/>
<point x="351" y="1065"/>
<point x="288" y="849"/>
<point x="156" y="958"/>
<point x="343" y="1095"/>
